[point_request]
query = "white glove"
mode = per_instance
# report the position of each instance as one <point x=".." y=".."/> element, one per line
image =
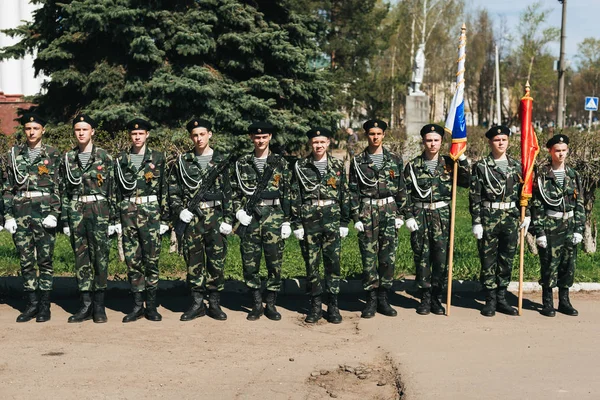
<point x="186" y="215"/>
<point x="525" y="224"/>
<point x="66" y="230"/>
<point x="225" y="228"/>
<point x="462" y="157"/>
<point x="343" y="231"/>
<point x="162" y="229"/>
<point x="359" y="226"/>
<point x="412" y="225"/>
<point x="398" y="223"/>
<point x="243" y="217"/>
<point x="10" y="225"/>
<point x="286" y="231"/>
<point x="542" y="242"/>
<point x="577" y="238"/>
<point x="299" y="233"/>
<point x="478" y="231"/>
<point x="49" y="222"/>
<point x="118" y="229"/>
<point x="111" y="230"/>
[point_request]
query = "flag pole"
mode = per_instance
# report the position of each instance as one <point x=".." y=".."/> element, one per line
<point x="521" y="260"/>
<point x="451" y="248"/>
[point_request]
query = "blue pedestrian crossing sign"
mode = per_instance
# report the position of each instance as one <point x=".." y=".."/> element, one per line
<point x="591" y="104"/>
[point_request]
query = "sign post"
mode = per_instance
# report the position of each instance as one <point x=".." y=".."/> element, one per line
<point x="591" y="105"/>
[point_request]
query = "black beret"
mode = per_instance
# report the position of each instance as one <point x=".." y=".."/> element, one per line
<point x="432" y="128"/>
<point x="319" y="132"/>
<point x="198" y="123"/>
<point x="374" y="123"/>
<point x="30" y="117"/>
<point x="261" y="127"/>
<point x="137" y="124"/>
<point x="84" y="118"/>
<point x="560" y="138"/>
<point x="498" y="130"/>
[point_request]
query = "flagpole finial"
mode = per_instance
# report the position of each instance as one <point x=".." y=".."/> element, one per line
<point x="464" y="27"/>
<point x="527" y="91"/>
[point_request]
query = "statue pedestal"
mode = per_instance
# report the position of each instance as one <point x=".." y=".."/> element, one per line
<point x="417" y="115"/>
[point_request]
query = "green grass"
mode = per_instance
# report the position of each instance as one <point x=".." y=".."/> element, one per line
<point x="466" y="260"/>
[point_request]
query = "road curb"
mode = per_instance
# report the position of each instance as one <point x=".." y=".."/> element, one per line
<point x="67" y="287"/>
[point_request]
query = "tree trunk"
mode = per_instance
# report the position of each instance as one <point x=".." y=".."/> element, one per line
<point x="589" y="236"/>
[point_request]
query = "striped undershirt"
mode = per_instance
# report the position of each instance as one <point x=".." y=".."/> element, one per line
<point x="136" y="160"/>
<point x="321" y="166"/>
<point x="260" y="163"/>
<point x="84" y="158"/>
<point x="502" y="164"/>
<point x="203" y="160"/>
<point x="431" y="165"/>
<point x="34" y="153"/>
<point x="559" y="174"/>
<point x="377" y="159"/>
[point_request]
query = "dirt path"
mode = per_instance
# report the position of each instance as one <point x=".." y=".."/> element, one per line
<point x="460" y="357"/>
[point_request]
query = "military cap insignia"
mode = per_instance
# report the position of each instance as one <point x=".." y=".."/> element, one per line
<point x="561" y="139"/>
<point x="332" y="182"/>
<point x="100" y="179"/>
<point x="392" y="174"/>
<point x="43" y="170"/>
<point x="318" y="133"/>
<point x="277" y="177"/>
<point x="195" y="123"/>
<point x="259" y="130"/>
<point x="148" y="175"/>
<point x="433" y="128"/>
<point x="136" y="126"/>
<point x="31" y="119"/>
<point x="81" y="118"/>
<point x="499" y="130"/>
<point x="375" y="124"/>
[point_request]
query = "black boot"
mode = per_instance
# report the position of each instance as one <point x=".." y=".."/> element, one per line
<point x="436" y="301"/>
<point x="502" y="305"/>
<point x="316" y="311"/>
<point x="99" y="311"/>
<point x="370" y="305"/>
<point x="214" y="306"/>
<point x="271" y="309"/>
<point x="547" y="302"/>
<point x="489" y="310"/>
<point x="151" y="313"/>
<point x="32" y="308"/>
<point x="333" y="310"/>
<point x="138" y="308"/>
<point x="564" y="304"/>
<point x="383" y="305"/>
<point x="197" y="309"/>
<point x="425" y="307"/>
<point x="44" y="310"/>
<point x="85" y="312"/>
<point x="257" y="305"/>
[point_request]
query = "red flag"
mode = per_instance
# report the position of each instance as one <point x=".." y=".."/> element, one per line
<point x="529" y="146"/>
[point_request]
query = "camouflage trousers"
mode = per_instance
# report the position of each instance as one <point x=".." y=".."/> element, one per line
<point x="558" y="260"/>
<point x="34" y="243"/>
<point x="329" y="244"/>
<point x="88" y="223"/>
<point x="141" y="243"/>
<point x="263" y="235"/>
<point x="430" y="247"/>
<point x="204" y="250"/>
<point x="378" y="244"/>
<point x="498" y="246"/>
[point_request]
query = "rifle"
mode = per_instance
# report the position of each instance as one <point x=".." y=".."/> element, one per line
<point x="194" y="203"/>
<point x="250" y="207"/>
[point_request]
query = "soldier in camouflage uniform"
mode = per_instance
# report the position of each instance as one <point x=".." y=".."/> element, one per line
<point x="429" y="190"/>
<point x="558" y="219"/>
<point x="141" y="201"/>
<point x="378" y="195"/>
<point x="204" y="241"/>
<point x="267" y="224"/>
<point x="89" y="216"/>
<point x="320" y="213"/>
<point x="31" y="210"/>
<point x="494" y="196"/>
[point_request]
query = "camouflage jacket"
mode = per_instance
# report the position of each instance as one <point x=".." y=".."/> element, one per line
<point x="419" y="181"/>
<point x="184" y="181"/>
<point x="149" y="180"/>
<point x="42" y="174"/>
<point x="489" y="183"/>
<point x="367" y="181"/>
<point x="308" y="185"/>
<point x="245" y="177"/>
<point x="548" y="195"/>
<point x="97" y="178"/>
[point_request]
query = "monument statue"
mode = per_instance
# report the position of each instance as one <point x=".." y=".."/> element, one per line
<point x="417" y="72"/>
